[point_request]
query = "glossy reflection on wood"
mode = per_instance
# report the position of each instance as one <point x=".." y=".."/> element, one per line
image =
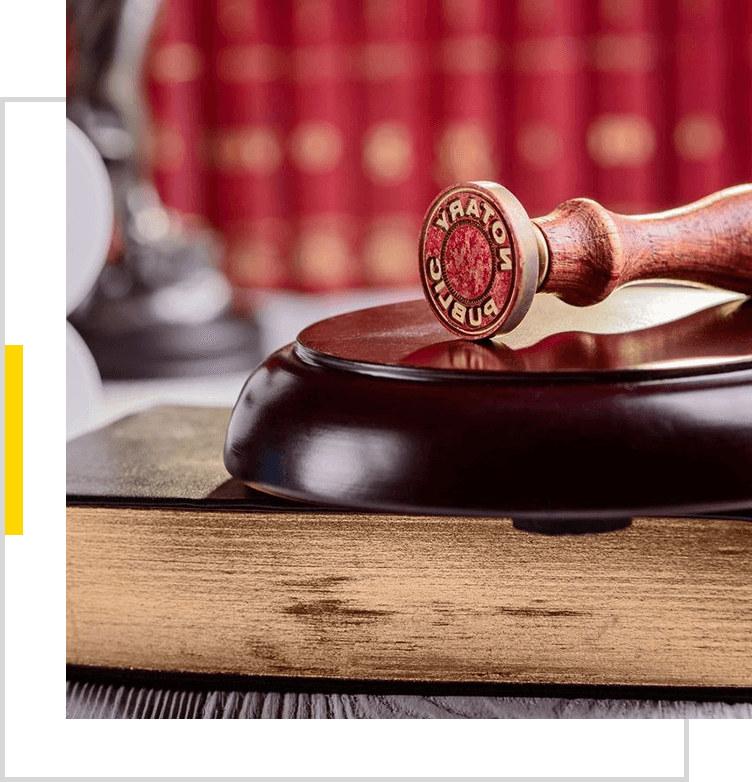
<point x="405" y="336"/>
<point x="378" y="410"/>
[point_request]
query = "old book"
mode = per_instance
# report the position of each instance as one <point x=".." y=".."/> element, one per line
<point x="738" y="113"/>
<point x="397" y="153"/>
<point x="322" y="147"/>
<point x="469" y="99"/>
<point x="173" y="567"/>
<point x="626" y="134"/>
<point x="174" y="85"/>
<point x="700" y="142"/>
<point x="549" y="164"/>
<point x="246" y="129"/>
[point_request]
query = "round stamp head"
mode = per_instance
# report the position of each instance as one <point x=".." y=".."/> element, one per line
<point x="478" y="259"/>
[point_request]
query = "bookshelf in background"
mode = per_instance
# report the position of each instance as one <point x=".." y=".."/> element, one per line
<point x="626" y="59"/>
<point x="550" y="101"/>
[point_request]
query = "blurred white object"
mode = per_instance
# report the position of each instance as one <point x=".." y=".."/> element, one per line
<point x="90" y="211"/>
<point x="83" y="386"/>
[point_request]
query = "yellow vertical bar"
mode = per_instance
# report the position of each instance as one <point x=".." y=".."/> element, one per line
<point x="14" y="439"/>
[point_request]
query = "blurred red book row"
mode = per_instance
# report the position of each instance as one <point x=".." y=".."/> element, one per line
<point x="312" y="134"/>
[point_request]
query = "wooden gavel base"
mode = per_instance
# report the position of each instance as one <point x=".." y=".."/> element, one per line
<point x="646" y="412"/>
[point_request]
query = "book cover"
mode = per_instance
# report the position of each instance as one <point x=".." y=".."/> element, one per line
<point x="322" y="146"/>
<point x="701" y="141"/>
<point x="395" y="143"/>
<point x="176" y="71"/>
<point x="468" y="103"/>
<point x="173" y="567"/>
<point x="626" y="132"/>
<point x="550" y="99"/>
<point x="737" y="22"/>
<point x="248" y="119"/>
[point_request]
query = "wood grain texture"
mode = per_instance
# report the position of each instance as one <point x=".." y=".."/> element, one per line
<point x="593" y="251"/>
<point x="388" y="597"/>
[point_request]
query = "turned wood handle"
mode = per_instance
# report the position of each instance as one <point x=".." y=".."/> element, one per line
<point x="482" y="258"/>
<point x="593" y="251"/>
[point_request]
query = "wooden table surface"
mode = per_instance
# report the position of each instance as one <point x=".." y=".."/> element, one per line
<point x="88" y="699"/>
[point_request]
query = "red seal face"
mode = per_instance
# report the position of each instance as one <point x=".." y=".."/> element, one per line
<point x="469" y="261"/>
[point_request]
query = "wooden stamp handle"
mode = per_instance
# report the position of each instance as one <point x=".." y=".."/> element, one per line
<point x="593" y="251"/>
<point x="482" y="258"/>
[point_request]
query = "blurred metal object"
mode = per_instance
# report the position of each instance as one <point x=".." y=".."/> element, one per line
<point x="163" y="308"/>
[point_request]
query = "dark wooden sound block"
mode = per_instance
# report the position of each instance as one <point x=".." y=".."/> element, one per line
<point x="646" y="412"/>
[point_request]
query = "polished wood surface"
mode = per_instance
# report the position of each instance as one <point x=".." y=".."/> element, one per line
<point x="377" y="410"/>
<point x="593" y="251"/>
<point x="399" y="598"/>
<point x="401" y="337"/>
